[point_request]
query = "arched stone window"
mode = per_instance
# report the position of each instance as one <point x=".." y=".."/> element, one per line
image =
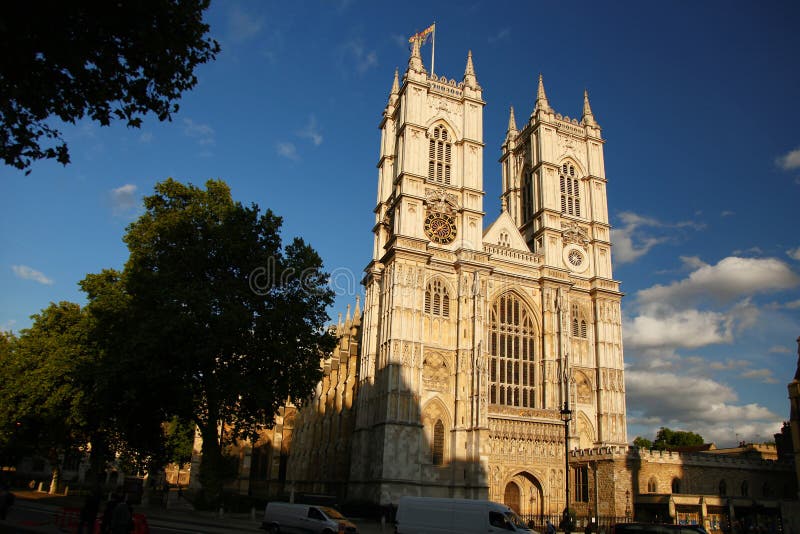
<point x="570" y="191"/>
<point x="437" y="446"/>
<point x="437" y="301"/>
<point x="745" y="489"/>
<point x="676" y="485"/>
<point x="439" y="156"/>
<point x="723" y="488"/>
<point x="512" y="353"/>
<point x="652" y="485"/>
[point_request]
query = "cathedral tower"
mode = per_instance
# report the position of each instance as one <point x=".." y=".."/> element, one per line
<point x="473" y="340"/>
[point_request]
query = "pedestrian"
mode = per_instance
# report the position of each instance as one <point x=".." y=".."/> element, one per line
<point x="588" y="529"/>
<point x="108" y="513"/>
<point x="89" y="512"/>
<point x="6" y="500"/>
<point x="549" y="528"/>
<point x="122" y="518"/>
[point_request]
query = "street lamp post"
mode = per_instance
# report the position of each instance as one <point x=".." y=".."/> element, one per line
<point x="566" y="416"/>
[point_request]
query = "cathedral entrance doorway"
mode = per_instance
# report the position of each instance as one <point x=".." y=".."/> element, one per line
<point x="511" y="497"/>
<point x="523" y="494"/>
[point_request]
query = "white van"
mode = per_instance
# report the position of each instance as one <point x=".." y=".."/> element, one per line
<point x="427" y="515"/>
<point x="285" y="517"/>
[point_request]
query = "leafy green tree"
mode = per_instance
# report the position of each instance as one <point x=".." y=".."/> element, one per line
<point x="104" y="60"/>
<point x="126" y="401"/>
<point x="44" y="405"/>
<point x="227" y="322"/>
<point x="667" y="439"/>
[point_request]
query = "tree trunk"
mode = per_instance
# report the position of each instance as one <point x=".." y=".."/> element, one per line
<point x="211" y="464"/>
<point x="56" y="471"/>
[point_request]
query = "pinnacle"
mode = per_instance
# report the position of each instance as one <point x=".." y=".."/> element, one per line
<point x="469" y="73"/>
<point x="587" y="118"/>
<point x="541" y="97"/>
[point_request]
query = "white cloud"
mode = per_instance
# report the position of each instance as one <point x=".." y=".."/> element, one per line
<point x="637" y="235"/>
<point x="27" y="273"/>
<point x="287" y="150"/>
<point x="727" y="213"/>
<point x="311" y="131"/>
<point x="357" y="55"/>
<point x="731" y="278"/>
<point x="727" y="365"/>
<point x="145" y="137"/>
<point x="762" y="375"/>
<point x="789" y="161"/>
<point x="243" y="26"/>
<point x="124" y="199"/>
<point x="202" y="132"/>
<point x="794" y="253"/>
<point x="793" y="305"/>
<point x="779" y="349"/>
<point x="695" y="404"/>
<point x="670" y="328"/>
<point x="503" y="34"/>
<point x="400" y="40"/>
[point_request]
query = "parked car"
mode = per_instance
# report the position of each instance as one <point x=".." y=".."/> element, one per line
<point x="656" y="528"/>
<point x="427" y="515"/>
<point x="284" y="517"/>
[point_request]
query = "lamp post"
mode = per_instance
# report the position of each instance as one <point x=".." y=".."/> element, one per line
<point x="566" y="416"/>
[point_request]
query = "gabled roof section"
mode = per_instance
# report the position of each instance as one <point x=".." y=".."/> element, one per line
<point x="503" y="232"/>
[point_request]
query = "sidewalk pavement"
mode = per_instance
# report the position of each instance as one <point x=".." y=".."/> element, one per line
<point x="50" y="510"/>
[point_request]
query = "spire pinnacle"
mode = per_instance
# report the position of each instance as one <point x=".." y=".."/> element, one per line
<point x="469" y="73"/>
<point x="357" y="312"/>
<point x="415" y="61"/>
<point x="587" y="118"/>
<point x="512" y="122"/>
<point x="347" y="316"/>
<point x="541" y="97"/>
<point x="396" y="83"/>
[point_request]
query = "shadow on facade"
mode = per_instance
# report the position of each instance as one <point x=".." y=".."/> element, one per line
<point x="368" y="440"/>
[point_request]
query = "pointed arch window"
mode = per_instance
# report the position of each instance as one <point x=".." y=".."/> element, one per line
<point x="437" y="300"/>
<point x="437" y="444"/>
<point x="676" y="485"/>
<point x="652" y="485"/>
<point x="440" y="147"/>
<point x="512" y="360"/>
<point x="578" y="324"/>
<point x="723" y="489"/>
<point x="570" y="191"/>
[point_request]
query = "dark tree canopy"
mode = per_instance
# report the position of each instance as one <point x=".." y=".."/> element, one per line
<point x="667" y="439"/>
<point x="226" y="322"/>
<point x="105" y="60"/>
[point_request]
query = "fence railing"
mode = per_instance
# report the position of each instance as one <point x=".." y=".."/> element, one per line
<point x="600" y="524"/>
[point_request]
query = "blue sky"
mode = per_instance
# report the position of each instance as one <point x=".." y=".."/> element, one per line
<point x="699" y="103"/>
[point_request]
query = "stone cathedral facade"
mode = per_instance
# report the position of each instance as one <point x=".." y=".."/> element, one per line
<point x="474" y="333"/>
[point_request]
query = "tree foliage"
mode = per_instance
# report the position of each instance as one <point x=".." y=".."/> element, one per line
<point x="668" y="439"/>
<point x="45" y="406"/>
<point x="226" y="321"/>
<point x="105" y="60"/>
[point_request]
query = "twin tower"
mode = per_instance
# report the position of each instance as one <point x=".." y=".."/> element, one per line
<point x="474" y="338"/>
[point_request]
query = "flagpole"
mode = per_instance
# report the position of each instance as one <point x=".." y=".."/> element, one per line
<point x="433" y="48"/>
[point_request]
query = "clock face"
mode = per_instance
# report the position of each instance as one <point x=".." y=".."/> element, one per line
<point x="440" y="228"/>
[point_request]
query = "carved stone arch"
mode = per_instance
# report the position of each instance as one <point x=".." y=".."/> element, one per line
<point x="436" y="371"/>
<point x="584" y="388"/>
<point x="441" y="119"/>
<point x="531" y="494"/>
<point x="586" y="432"/>
<point x="580" y="171"/>
<point x="530" y="305"/>
<point x="433" y="412"/>
<point x="448" y="285"/>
